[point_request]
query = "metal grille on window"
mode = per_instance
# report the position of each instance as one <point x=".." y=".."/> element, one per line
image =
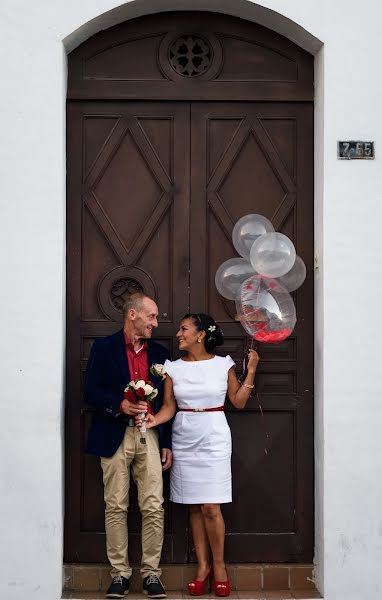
<point x="190" y="55"/>
<point x="121" y="290"/>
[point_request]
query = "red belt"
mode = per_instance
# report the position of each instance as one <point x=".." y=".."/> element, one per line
<point x="202" y="409"/>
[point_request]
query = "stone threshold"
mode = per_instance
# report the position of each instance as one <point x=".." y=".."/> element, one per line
<point x="179" y="595"/>
<point x="247" y="581"/>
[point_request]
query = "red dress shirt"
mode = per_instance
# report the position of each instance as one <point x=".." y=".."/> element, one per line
<point x="138" y="364"/>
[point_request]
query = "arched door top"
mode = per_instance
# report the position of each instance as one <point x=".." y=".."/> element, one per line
<point x="190" y="56"/>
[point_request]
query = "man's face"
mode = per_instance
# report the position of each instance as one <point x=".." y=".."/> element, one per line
<point x="145" y="319"/>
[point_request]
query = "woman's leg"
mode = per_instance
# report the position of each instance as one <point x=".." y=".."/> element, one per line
<point x="215" y="528"/>
<point x="200" y="541"/>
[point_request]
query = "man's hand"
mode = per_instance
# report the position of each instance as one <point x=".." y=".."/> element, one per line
<point x="133" y="408"/>
<point x="166" y="459"/>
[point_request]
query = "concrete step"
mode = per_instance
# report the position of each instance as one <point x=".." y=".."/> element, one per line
<point x="179" y="595"/>
<point x="247" y="581"/>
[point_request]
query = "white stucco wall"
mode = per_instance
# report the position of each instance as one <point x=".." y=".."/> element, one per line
<point x="35" y="37"/>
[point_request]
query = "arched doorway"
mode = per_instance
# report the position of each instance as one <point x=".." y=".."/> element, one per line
<point x="178" y="124"/>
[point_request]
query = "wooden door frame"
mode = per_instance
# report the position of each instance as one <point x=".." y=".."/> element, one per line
<point x="82" y="89"/>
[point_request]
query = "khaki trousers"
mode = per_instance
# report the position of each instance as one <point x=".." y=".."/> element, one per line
<point x="146" y="469"/>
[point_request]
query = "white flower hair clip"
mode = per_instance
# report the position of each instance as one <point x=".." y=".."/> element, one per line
<point x="212" y="328"/>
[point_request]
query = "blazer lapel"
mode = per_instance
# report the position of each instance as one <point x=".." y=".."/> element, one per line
<point x="158" y="383"/>
<point x="150" y="355"/>
<point x="120" y="354"/>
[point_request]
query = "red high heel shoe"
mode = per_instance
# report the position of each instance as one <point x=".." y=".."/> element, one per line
<point x="198" y="588"/>
<point x="222" y="588"/>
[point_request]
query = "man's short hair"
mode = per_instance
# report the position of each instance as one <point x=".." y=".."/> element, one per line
<point x="134" y="301"/>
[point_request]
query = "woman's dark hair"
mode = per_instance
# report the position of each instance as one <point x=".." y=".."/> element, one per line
<point x="214" y="335"/>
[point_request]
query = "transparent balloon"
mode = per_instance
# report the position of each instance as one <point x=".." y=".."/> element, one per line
<point x="265" y="309"/>
<point x="230" y="275"/>
<point x="295" y="277"/>
<point x="248" y="229"/>
<point x="273" y="254"/>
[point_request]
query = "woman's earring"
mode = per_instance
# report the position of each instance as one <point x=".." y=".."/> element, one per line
<point x="199" y="340"/>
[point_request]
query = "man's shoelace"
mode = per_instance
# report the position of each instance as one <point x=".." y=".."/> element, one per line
<point x="152" y="579"/>
<point x="117" y="579"/>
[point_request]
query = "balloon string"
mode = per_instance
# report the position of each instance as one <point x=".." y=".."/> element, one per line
<point x="257" y="309"/>
<point x="266" y="434"/>
<point x="262" y="417"/>
<point x="245" y="354"/>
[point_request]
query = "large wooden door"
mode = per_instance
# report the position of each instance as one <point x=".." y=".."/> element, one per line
<point x="162" y="161"/>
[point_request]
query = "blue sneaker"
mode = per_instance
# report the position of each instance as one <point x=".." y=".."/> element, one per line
<point x="119" y="587"/>
<point x="153" y="587"/>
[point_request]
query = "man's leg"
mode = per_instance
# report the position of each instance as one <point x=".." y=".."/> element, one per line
<point x="147" y="473"/>
<point x="116" y="480"/>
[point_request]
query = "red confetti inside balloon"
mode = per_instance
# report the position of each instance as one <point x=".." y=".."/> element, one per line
<point x="265" y="309"/>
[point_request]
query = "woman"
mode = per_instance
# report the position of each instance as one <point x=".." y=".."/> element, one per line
<point x="197" y="384"/>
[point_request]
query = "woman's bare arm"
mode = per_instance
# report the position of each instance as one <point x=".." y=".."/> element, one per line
<point x="239" y="394"/>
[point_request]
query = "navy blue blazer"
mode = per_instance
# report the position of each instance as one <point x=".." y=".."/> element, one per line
<point x="107" y="375"/>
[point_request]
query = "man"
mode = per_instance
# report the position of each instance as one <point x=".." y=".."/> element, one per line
<point x="114" y="361"/>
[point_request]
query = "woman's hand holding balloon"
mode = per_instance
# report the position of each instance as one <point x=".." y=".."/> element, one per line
<point x="253" y="360"/>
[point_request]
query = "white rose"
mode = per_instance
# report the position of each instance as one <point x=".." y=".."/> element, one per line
<point x="148" y="389"/>
<point x="154" y="394"/>
<point x="140" y="384"/>
<point x="158" y="370"/>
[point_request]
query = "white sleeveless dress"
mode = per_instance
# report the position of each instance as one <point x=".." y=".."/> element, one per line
<point x="201" y="441"/>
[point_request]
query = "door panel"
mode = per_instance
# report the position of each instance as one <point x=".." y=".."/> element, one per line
<point x="256" y="158"/>
<point x="128" y="229"/>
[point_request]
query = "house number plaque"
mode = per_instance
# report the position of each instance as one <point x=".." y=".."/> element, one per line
<point x="352" y="150"/>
